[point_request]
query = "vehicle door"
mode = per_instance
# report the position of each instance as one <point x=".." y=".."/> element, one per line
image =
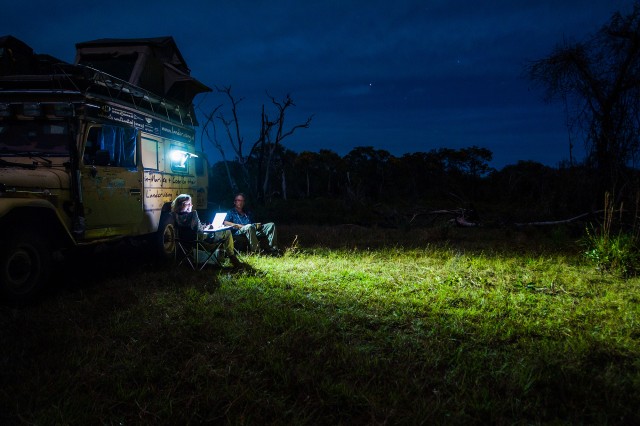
<point x="111" y="181"/>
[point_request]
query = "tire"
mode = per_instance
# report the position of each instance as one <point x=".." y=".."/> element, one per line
<point x="25" y="267"/>
<point x="164" y="240"/>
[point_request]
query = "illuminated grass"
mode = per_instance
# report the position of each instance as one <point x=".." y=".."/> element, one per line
<point x="458" y="332"/>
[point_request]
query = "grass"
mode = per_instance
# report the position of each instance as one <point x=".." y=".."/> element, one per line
<point x="351" y="326"/>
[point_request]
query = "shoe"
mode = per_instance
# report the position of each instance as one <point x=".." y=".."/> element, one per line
<point x="275" y="252"/>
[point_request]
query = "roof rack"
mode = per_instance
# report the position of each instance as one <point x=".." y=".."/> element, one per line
<point x="137" y="96"/>
<point x="155" y="77"/>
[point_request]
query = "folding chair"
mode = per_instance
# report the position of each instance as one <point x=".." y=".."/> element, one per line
<point x="241" y="244"/>
<point x="196" y="252"/>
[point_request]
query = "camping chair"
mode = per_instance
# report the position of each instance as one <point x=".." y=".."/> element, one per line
<point x="196" y="252"/>
<point x="241" y="244"/>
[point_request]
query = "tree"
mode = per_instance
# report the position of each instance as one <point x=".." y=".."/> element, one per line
<point x="216" y="143"/>
<point x="318" y="172"/>
<point x="367" y="170"/>
<point x="333" y="165"/>
<point x="271" y="136"/>
<point x="599" y="79"/>
<point x="232" y="130"/>
<point x="309" y="163"/>
<point x="262" y="151"/>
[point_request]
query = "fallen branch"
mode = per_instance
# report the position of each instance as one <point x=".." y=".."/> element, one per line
<point x="434" y="212"/>
<point x="461" y="221"/>
<point x="460" y="218"/>
<point x="558" y="222"/>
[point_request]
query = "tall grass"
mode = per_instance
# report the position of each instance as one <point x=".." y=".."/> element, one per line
<point x="611" y="246"/>
<point x="430" y="327"/>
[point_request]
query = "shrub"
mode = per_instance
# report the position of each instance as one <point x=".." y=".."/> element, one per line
<point x="613" y="251"/>
<point x="618" y="253"/>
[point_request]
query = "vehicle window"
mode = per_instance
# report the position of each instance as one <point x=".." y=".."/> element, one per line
<point x="111" y="146"/>
<point x="34" y="136"/>
<point x="150" y="158"/>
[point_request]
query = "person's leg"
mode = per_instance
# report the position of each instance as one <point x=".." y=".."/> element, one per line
<point x="230" y="249"/>
<point x="249" y="231"/>
<point x="268" y="230"/>
<point x="228" y="240"/>
<point x="227" y="245"/>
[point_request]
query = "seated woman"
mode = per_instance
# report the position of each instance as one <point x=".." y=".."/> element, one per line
<point x="187" y="217"/>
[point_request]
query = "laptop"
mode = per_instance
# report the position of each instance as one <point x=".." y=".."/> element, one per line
<point x="217" y="223"/>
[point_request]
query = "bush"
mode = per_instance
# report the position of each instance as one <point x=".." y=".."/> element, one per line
<point x="618" y="254"/>
<point x="613" y="252"/>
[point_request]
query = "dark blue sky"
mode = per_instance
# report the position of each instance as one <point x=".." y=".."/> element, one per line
<point x="404" y="76"/>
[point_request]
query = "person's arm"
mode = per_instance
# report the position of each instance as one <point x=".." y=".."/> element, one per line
<point x="228" y="221"/>
<point x="196" y="225"/>
<point x="231" y="224"/>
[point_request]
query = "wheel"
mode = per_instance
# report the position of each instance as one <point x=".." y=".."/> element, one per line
<point x="164" y="239"/>
<point x="25" y="266"/>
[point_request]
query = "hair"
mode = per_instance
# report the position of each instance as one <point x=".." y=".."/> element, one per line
<point x="239" y="193"/>
<point x="177" y="203"/>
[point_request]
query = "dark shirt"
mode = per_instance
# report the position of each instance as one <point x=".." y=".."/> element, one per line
<point x="189" y="220"/>
<point x="241" y="219"/>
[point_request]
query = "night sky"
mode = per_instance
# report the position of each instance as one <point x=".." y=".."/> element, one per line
<point x="404" y="76"/>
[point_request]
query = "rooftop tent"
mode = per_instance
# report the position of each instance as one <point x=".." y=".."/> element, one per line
<point x="154" y="64"/>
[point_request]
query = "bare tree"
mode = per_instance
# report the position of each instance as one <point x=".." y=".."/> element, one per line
<point x="210" y="122"/>
<point x="600" y="81"/>
<point x="232" y="130"/>
<point x="271" y="136"/>
<point x="272" y="133"/>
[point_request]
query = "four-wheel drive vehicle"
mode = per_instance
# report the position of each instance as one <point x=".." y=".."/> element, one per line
<point x="92" y="152"/>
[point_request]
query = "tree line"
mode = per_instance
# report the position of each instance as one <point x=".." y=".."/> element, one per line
<point x="369" y="185"/>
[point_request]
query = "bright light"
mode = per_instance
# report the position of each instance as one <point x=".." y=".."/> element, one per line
<point x="180" y="157"/>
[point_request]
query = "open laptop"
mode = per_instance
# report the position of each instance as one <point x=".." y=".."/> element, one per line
<point x="217" y="223"/>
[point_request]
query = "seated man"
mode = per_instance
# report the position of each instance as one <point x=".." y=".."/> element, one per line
<point x="242" y="223"/>
<point x="187" y="217"/>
